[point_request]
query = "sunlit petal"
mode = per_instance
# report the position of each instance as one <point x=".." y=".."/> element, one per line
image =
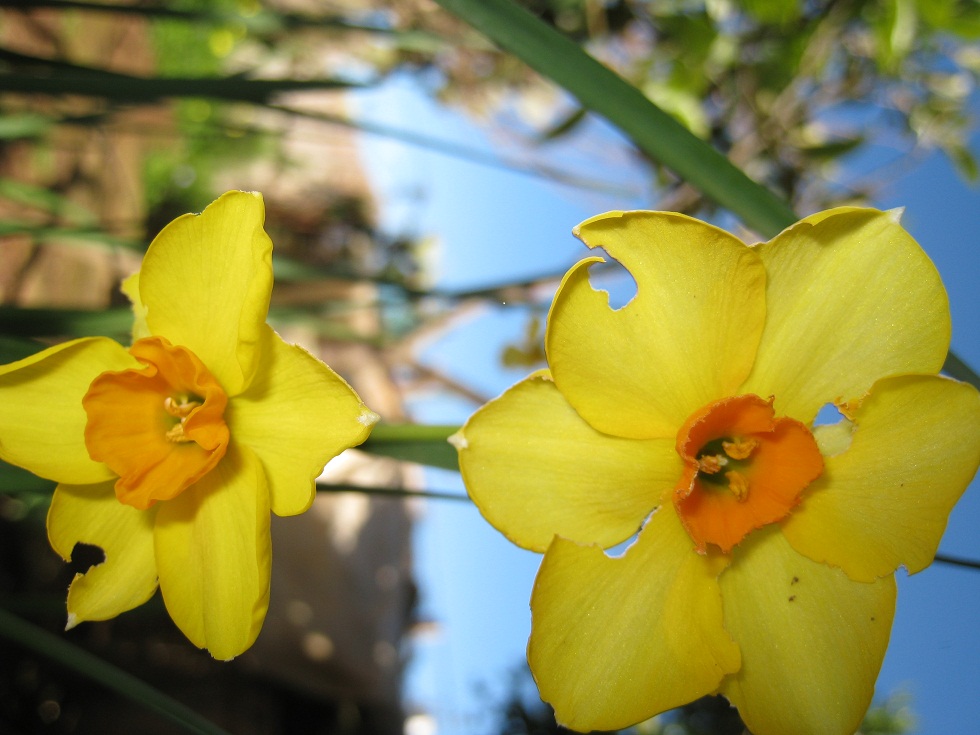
<point x="205" y="285"/>
<point x="688" y="337"/>
<point x="535" y="469"/>
<point x="42" y="424"/>
<point x="617" y="640"/>
<point x="213" y="553"/>
<point x="812" y="640"/>
<point x="884" y="502"/>
<point x="90" y="514"/>
<point x="296" y="415"/>
<point x="851" y="298"/>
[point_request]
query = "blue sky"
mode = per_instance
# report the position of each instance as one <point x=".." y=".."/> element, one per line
<point x="494" y="226"/>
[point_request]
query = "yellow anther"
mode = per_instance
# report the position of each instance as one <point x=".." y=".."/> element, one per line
<point x="738" y="485"/>
<point x="180" y="409"/>
<point x="711" y="464"/>
<point x="740" y="448"/>
<point x="176" y="433"/>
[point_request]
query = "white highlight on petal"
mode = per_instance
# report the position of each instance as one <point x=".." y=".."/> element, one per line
<point x="72" y="621"/>
<point x="459" y="441"/>
<point x="896" y="214"/>
<point x="368" y="417"/>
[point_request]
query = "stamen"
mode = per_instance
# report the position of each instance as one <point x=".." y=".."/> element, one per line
<point x="176" y="433"/>
<point x="738" y="485"/>
<point x="740" y="447"/>
<point x="711" y="464"/>
<point x="181" y="408"/>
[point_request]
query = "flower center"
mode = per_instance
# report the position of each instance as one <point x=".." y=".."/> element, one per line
<point x="160" y="427"/>
<point x="743" y="469"/>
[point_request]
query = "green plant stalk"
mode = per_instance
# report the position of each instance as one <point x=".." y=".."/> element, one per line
<point x="72" y="657"/>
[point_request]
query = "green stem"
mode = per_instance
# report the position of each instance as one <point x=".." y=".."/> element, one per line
<point x="72" y="657"/>
<point x="412" y="433"/>
<point x="394" y="492"/>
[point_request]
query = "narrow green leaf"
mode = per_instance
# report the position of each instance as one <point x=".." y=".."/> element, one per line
<point x="44" y="199"/>
<point x="67" y="234"/>
<point x="72" y="657"/>
<point x="598" y="88"/>
<point x="13" y="479"/>
<point x="13" y="349"/>
<point x="392" y="492"/>
<point x="15" y="321"/>
<point x="37" y="75"/>
<point x="418" y="443"/>
<point x="26" y="125"/>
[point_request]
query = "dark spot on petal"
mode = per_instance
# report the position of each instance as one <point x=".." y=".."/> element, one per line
<point x="795" y="580"/>
<point x="792" y="597"/>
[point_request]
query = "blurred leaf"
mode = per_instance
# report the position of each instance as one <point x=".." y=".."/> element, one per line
<point x="25" y="125"/>
<point x="14" y="348"/>
<point x="35" y="75"/>
<point x="13" y="479"/>
<point x="44" y="199"/>
<point x="66" y="234"/>
<point x="564" y="125"/>
<point x="958" y="17"/>
<point x="598" y="88"/>
<point x="954" y="367"/>
<point x="896" y="29"/>
<point x="72" y="657"/>
<point x="417" y="443"/>
<point x="65" y="322"/>
<point x="965" y="162"/>
<point x="677" y="98"/>
<point x="775" y="12"/>
<point x="833" y="149"/>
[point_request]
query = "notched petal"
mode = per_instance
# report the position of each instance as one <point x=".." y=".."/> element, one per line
<point x="686" y="338"/>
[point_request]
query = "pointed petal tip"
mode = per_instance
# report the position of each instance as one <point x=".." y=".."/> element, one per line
<point x="895" y="215"/>
<point x="72" y="621"/>
<point x="459" y="441"/>
<point x="368" y="417"/>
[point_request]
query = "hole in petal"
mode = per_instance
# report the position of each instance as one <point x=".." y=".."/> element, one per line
<point x="615" y="280"/>
<point x="84" y="557"/>
<point x="617" y="550"/>
<point x="828" y="414"/>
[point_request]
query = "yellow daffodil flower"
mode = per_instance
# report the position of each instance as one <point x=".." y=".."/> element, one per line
<point x="764" y="565"/>
<point x="171" y="454"/>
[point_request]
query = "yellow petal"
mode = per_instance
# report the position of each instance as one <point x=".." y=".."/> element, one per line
<point x="615" y="641"/>
<point x="205" y="285"/>
<point x="42" y="425"/>
<point x="534" y="468"/>
<point x="295" y="416"/>
<point x="91" y="514"/>
<point x="885" y="501"/>
<point x="852" y="298"/>
<point x="213" y="553"/>
<point x="812" y="640"/>
<point x="688" y="336"/>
